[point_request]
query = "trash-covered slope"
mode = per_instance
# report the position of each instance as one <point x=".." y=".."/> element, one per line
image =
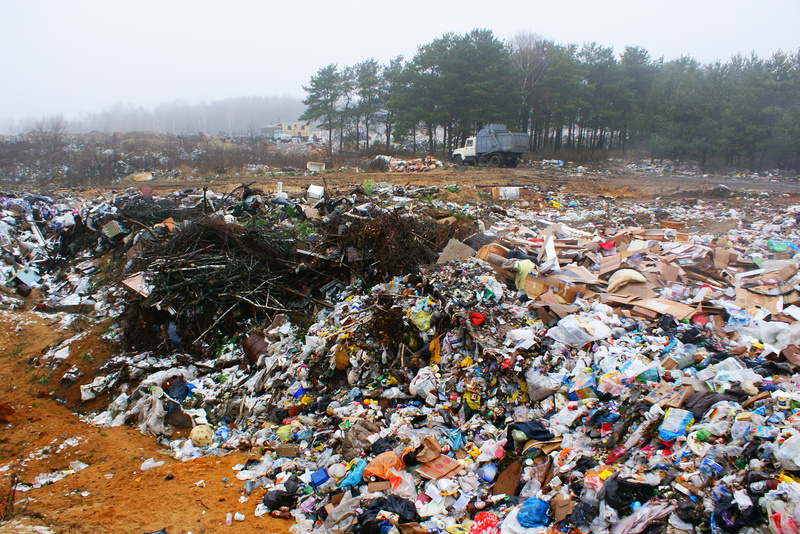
<point x="402" y="362"/>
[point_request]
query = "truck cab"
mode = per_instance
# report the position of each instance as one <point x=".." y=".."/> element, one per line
<point x="465" y="155"/>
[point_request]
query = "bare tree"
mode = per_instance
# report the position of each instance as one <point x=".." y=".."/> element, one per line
<point x="48" y="133"/>
<point x="529" y="55"/>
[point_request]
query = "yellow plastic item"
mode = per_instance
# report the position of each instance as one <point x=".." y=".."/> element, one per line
<point x="285" y="433"/>
<point x="435" y="348"/>
<point x="473" y="400"/>
<point x="422" y="320"/>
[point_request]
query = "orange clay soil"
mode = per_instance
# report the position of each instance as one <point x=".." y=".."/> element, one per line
<point x="112" y="495"/>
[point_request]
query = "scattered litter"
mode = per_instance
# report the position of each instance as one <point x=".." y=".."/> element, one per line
<point x="534" y="361"/>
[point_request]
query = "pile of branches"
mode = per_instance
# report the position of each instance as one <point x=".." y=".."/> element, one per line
<point x="390" y="244"/>
<point x="213" y="277"/>
<point x="148" y="212"/>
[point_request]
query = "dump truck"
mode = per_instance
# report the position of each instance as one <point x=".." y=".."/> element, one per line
<point x="494" y="145"/>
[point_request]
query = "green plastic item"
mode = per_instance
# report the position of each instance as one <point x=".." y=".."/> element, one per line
<point x="777" y="246"/>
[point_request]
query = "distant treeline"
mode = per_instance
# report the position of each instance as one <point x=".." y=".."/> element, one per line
<point x="228" y="117"/>
<point x="569" y="99"/>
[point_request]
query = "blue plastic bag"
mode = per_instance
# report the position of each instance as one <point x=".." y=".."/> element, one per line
<point x="356" y="476"/>
<point x="533" y="513"/>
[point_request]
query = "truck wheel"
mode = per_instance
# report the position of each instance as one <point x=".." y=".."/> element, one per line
<point x="458" y="161"/>
<point x="495" y="160"/>
<point x="512" y="162"/>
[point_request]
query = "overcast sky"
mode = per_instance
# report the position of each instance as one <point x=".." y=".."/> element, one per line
<point x="75" y="57"/>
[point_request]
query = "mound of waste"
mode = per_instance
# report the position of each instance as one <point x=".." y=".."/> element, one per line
<point x="405" y="364"/>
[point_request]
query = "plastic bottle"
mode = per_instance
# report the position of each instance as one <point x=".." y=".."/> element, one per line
<point x="229" y="519"/>
<point x="763" y="486"/>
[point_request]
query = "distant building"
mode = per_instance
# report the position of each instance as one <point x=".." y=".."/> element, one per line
<point x="297" y="129"/>
<point x="287" y="131"/>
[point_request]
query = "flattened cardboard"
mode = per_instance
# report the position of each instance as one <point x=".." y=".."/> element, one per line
<point x="748" y="299"/>
<point x="664" y="306"/>
<point x="644" y="312"/>
<point x="561" y="506"/>
<point x="508" y="480"/>
<point x="610" y="263"/>
<point x="381" y="485"/>
<point x="642" y="290"/>
<point x="287" y="451"/>
<point x="611" y="299"/>
<point x="440" y="467"/>
<point x="137" y="283"/>
<point x="669" y="273"/>
<point x="721" y="258"/>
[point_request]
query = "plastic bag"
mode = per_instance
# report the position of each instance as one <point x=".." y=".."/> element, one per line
<point x="540" y="385"/>
<point x="151" y="463"/>
<point x="577" y="332"/>
<point x="403" y="485"/>
<point x="533" y="513"/>
<point x="484" y="523"/>
<point x="676" y="421"/>
<point x="382" y="465"/>
<point x="424" y="383"/>
<point x="355" y="476"/>
<point x="284" y="433"/>
<point x="422" y="320"/>
<point x="789" y="453"/>
<point x="150" y="413"/>
<point x="277" y="499"/>
<point x="343" y="515"/>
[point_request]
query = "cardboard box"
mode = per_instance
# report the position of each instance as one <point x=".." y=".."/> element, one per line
<point x="380" y="485"/>
<point x="288" y="451"/>
<point x="659" y="394"/>
<point x="539" y="285"/>
<point x="677" y="399"/>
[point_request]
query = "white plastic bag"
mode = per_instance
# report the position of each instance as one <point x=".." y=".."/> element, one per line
<point x="540" y="385"/>
<point x="575" y="333"/>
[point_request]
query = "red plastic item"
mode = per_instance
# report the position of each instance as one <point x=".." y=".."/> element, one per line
<point x="476" y="318"/>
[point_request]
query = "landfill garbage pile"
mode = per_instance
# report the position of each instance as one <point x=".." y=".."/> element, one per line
<point x="550" y="370"/>
<point x="392" y="164"/>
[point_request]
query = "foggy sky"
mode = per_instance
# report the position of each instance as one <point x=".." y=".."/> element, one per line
<point x="79" y="56"/>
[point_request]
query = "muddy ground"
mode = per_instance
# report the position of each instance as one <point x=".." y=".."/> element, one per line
<point x="112" y="495"/>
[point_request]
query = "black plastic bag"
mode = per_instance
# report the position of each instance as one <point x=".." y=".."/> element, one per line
<point x="730" y="518"/>
<point x="582" y="513"/>
<point x="368" y="522"/>
<point x="277" y="499"/>
<point x="621" y="493"/>
<point x="382" y="445"/>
